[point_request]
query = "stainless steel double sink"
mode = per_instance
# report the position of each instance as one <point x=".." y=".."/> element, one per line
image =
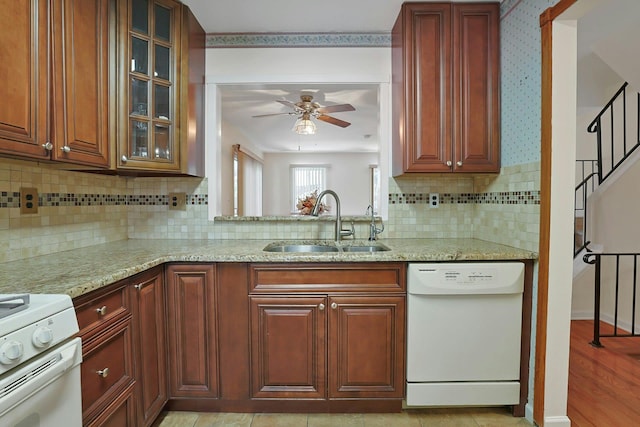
<point x="325" y="246"/>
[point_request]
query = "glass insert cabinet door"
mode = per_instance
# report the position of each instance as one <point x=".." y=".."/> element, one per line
<point x="152" y="56"/>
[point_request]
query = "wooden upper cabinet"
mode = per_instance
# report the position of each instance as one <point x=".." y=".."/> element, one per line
<point x="24" y="106"/>
<point x="55" y="76"/>
<point x="80" y="87"/>
<point x="476" y="92"/>
<point x="445" y="76"/>
<point x="161" y="47"/>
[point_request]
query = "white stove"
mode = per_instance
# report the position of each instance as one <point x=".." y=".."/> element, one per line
<point x="39" y="361"/>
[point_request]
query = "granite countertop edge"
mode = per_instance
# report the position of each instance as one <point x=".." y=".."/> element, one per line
<point x="80" y="271"/>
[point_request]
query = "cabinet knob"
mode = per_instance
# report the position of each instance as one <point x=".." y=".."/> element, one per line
<point x="124" y="159"/>
<point x="334" y="305"/>
<point x="48" y="146"/>
<point x="103" y="372"/>
<point x="102" y="310"/>
<point x="459" y="163"/>
<point x="138" y="286"/>
<point x="321" y="307"/>
<point x="449" y="163"/>
<point x="65" y="148"/>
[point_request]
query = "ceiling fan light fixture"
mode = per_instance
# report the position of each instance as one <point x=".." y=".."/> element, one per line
<point x="304" y="126"/>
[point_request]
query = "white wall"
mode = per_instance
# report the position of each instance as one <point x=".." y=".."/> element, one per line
<point x="293" y="65"/>
<point x="348" y="176"/>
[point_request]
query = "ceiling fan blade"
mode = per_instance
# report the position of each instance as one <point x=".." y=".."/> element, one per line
<point x="287" y="103"/>
<point x="333" y="121"/>
<point x="335" y="108"/>
<point x="273" y="114"/>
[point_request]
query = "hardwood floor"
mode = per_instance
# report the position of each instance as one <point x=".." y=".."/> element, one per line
<point x="604" y="383"/>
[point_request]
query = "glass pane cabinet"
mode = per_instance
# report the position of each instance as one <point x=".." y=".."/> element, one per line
<point x="152" y="51"/>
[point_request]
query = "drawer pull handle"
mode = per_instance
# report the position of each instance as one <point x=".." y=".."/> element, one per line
<point x="102" y="310"/>
<point x="321" y="307"/>
<point x="103" y="372"/>
<point x="334" y="305"/>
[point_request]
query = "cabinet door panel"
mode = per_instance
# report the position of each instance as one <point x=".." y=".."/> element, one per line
<point x="80" y="89"/>
<point x="366" y="347"/>
<point x="150" y="346"/>
<point x="23" y="110"/>
<point x="192" y="331"/>
<point x="431" y="103"/>
<point x="288" y="347"/>
<point x="476" y="68"/>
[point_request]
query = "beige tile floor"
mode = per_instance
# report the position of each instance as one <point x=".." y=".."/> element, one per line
<point x="467" y="417"/>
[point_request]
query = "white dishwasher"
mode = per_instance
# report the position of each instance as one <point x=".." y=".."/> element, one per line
<point x="463" y="333"/>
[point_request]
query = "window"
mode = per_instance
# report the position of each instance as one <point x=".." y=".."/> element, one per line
<point x="306" y="180"/>
<point x="247" y="183"/>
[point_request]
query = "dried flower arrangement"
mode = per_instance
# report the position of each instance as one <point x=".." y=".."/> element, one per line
<point x="306" y="204"/>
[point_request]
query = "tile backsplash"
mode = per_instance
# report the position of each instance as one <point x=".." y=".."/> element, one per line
<point x="83" y="209"/>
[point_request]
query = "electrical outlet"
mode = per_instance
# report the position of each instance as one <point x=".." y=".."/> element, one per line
<point x="434" y="200"/>
<point x="28" y="200"/>
<point x="178" y="201"/>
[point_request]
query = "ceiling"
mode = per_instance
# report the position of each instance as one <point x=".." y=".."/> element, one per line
<point x="239" y="102"/>
<point x="286" y="16"/>
<point x="274" y="134"/>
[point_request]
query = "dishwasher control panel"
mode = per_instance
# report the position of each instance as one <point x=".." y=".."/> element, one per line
<point x="463" y="278"/>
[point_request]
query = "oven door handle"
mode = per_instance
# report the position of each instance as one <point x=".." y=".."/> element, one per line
<point x="36" y="375"/>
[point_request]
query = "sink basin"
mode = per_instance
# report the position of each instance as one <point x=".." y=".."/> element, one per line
<point x="299" y="248"/>
<point x="365" y="248"/>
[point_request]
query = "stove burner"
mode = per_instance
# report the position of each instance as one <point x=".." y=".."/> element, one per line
<point x="10" y="304"/>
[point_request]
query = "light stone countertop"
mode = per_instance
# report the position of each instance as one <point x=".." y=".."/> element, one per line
<point x="80" y="271"/>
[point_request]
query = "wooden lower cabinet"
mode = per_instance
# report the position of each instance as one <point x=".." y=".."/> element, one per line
<point x="121" y="412"/>
<point x="124" y="368"/>
<point x="361" y="336"/>
<point x="339" y="340"/>
<point x="238" y="337"/>
<point x="366" y="346"/>
<point x="193" y="371"/>
<point x="288" y="347"/>
<point x="150" y="348"/>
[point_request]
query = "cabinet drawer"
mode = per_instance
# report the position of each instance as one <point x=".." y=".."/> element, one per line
<point x="97" y="311"/>
<point x="361" y="277"/>
<point x="107" y="367"/>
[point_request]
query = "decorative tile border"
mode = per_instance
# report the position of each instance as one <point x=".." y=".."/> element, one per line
<point x="226" y="40"/>
<point x="12" y="199"/>
<point x="500" y="198"/>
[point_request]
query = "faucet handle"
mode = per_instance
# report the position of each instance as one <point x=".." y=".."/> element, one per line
<point x="351" y="232"/>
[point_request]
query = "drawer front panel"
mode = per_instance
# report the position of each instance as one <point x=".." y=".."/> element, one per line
<point x="98" y="311"/>
<point x="107" y="367"/>
<point x="360" y="277"/>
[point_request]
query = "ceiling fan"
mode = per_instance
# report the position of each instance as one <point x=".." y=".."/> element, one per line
<point x="307" y="108"/>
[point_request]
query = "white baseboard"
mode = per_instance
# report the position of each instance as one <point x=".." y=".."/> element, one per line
<point x="561" y="421"/>
<point x="605" y="317"/>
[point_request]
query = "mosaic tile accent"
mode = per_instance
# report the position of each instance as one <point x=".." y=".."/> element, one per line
<point x="12" y="199"/>
<point x="9" y="199"/>
<point x="222" y="40"/>
<point x="500" y="198"/>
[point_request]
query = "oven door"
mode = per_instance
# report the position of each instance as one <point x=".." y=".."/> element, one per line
<point x="44" y="391"/>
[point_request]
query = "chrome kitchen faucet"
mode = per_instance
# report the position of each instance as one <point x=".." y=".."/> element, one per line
<point x="339" y="231"/>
